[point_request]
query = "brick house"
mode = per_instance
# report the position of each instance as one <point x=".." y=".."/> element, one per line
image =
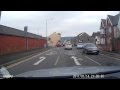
<point x="13" y="40"/>
<point x="96" y="36"/>
<point x="108" y="31"/>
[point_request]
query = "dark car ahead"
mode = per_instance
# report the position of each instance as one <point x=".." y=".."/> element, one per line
<point x="90" y="48"/>
<point x="80" y="45"/>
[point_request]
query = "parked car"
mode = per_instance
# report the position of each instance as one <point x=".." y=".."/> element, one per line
<point x="90" y="48"/>
<point x="68" y="46"/>
<point x="62" y="45"/>
<point x="80" y="45"/>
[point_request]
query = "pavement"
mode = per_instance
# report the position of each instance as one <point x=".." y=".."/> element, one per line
<point x="111" y="54"/>
<point x="58" y="57"/>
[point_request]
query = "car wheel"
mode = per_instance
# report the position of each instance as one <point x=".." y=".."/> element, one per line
<point x="97" y="53"/>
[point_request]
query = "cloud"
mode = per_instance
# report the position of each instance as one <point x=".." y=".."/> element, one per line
<point x="69" y="23"/>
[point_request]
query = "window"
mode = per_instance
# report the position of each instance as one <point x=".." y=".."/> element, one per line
<point x="102" y="31"/>
<point x="110" y="30"/>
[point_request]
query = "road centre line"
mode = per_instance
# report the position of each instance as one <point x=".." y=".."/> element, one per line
<point x="12" y="65"/>
<point x="56" y="60"/>
<point x="92" y="60"/>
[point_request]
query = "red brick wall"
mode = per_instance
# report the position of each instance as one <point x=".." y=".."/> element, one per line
<point x="117" y="45"/>
<point x="12" y="44"/>
<point x="32" y="43"/>
<point x="105" y="47"/>
<point x="41" y="43"/>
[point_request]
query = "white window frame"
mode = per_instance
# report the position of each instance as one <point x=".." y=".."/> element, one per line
<point x="110" y="30"/>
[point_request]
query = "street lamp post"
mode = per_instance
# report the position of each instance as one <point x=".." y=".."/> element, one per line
<point x="0" y="14"/>
<point x="46" y="34"/>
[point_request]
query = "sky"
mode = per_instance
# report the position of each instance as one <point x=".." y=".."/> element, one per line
<point x="68" y="23"/>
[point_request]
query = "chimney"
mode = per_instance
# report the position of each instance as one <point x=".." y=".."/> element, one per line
<point x="25" y="30"/>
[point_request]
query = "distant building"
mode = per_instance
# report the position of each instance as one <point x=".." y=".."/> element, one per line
<point x="83" y="38"/>
<point x="66" y="39"/>
<point x="54" y="38"/>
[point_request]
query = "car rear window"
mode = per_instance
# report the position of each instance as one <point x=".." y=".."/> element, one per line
<point x="90" y="45"/>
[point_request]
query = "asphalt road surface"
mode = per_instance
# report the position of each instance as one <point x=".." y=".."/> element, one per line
<point x="58" y="57"/>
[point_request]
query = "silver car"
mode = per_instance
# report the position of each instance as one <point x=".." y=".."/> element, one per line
<point x="90" y="48"/>
<point x="80" y="45"/>
<point x="68" y="46"/>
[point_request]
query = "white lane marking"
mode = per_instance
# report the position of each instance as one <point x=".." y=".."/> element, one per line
<point x="51" y="53"/>
<point x="5" y="73"/>
<point x="10" y="66"/>
<point x="75" y="60"/>
<point x="70" y="53"/>
<point x="41" y="59"/>
<point x="111" y="57"/>
<point x="56" y="60"/>
<point x="92" y="60"/>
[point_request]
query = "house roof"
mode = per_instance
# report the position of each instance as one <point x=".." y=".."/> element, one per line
<point x="104" y="21"/>
<point x="114" y="19"/>
<point x="12" y="31"/>
<point x="95" y="34"/>
<point x="83" y="33"/>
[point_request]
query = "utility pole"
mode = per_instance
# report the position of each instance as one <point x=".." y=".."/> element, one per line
<point x="0" y="14"/>
<point x="46" y="34"/>
<point x="38" y="38"/>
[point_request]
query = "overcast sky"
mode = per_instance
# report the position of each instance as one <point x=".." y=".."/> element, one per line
<point x="68" y="23"/>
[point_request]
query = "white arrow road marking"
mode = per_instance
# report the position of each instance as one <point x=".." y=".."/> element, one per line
<point x="76" y="60"/>
<point x="92" y="60"/>
<point x="41" y="59"/>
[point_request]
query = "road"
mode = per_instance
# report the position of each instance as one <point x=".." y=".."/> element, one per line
<point x="58" y="57"/>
